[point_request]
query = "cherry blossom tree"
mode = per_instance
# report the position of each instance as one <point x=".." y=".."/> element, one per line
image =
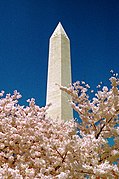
<point x="99" y="122"/>
<point x="33" y="146"/>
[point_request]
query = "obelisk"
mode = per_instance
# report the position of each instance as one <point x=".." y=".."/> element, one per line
<point x="59" y="72"/>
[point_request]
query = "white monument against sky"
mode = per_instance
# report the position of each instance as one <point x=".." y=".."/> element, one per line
<point x="59" y="72"/>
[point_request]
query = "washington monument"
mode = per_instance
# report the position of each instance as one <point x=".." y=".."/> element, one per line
<point x="59" y="72"/>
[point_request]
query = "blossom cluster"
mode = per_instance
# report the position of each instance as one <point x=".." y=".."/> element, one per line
<point x="99" y="121"/>
<point x="33" y="146"/>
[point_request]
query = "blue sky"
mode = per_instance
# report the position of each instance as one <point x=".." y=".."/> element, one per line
<point x="25" y="28"/>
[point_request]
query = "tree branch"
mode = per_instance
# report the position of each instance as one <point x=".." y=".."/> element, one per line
<point x="98" y="134"/>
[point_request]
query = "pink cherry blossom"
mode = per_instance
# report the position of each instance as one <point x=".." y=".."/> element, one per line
<point x="33" y="146"/>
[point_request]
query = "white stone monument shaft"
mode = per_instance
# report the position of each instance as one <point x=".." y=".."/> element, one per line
<point x="59" y="72"/>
